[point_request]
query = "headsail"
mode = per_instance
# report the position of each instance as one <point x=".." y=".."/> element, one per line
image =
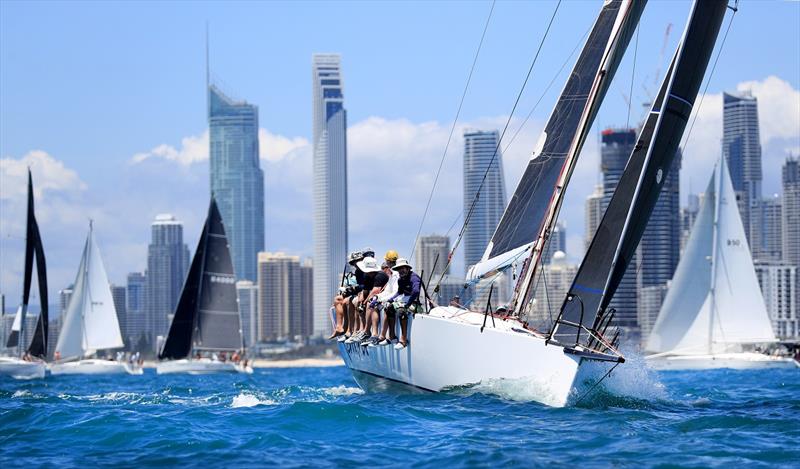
<point x="33" y="247"/>
<point x="13" y="338"/>
<point x="625" y="219"/>
<point x="91" y="321"/>
<point x="535" y="203"/>
<point x="207" y="315"/>
<point x="714" y="301"/>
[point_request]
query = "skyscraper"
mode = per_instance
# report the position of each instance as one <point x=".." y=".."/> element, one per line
<point x="135" y="306"/>
<point x="167" y="263"/>
<point x="279" y="295"/>
<point x="432" y="249"/>
<point x="688" y="216"/>
<point x="305" y="326"/>
<point x="791" y="216"/>
<point x="778" y="282"/>
<point x="594" y="213"/>
<point x="329" y="183"/>
<point x="479" y="160"/>
<point x="118" y="295"/>
<point x="247" y="294"/>
<point x="557" y="277"/>
<point x="237" y="181"/>
<point x="742" y="148"/>
<point x="766" y="237"/>
<point x="616" y="148"/>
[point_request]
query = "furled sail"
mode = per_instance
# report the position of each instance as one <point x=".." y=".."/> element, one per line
<point x="91" y="321"/>
<point x="207" y="315"/>
<point x="629" y="209"/>
<point x="34" y="248"/>
<point x="537" y="197"/>
<point x="714" y="302"/>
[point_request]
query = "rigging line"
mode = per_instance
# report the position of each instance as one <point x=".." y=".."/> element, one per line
<point x="549" y="85"/>
<point x="710" y="76"/>
<point x="547" y="295"/>
<point x="452" y="130"/>
<point x="633" y="74"/>
<point x="502" y="134"/>
<point x="597" y="383"/>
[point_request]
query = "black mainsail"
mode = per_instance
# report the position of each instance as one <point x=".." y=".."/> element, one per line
<point x="34" y="249"/>
<point x="534" y="207"/>
<point x="207" y="315"/>
<point x="638" y="190"/>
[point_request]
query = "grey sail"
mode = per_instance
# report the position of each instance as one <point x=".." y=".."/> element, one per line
<point x="527" y="212"/>
<point x="626" y="217"/>
<point x="207" y="315"/>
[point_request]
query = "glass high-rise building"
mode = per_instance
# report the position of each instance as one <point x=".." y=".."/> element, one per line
<point x="167" y="264"/>
<point x="431" y="256"/>
<point x="616" y="147"/>
<point x="790" y="224"/>
<point x="661" y="242"/>
<point x="329" y="184"/>
<point x="742" y="149"/>
<point x="479" y="155"/>
<point x="237" y="181"/>
<point x="135" y="306"/>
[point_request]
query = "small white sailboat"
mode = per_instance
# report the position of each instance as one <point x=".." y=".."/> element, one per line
<point x="450" y="346"/>
<point x="714" y="309"/>
<point x="91" y="323"/>
<point x="206" y="319"/>
<point x="29" y="363"/>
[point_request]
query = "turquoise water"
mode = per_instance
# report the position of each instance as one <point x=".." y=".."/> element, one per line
<point x="317" y="416"/>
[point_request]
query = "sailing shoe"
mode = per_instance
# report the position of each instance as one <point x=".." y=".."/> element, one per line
<point x="373" y="342"/>
<point x="365" y="341"/>
<point x="399" y="346"/>
<point x="385" y="342"/>
<point x="341" y="338"/>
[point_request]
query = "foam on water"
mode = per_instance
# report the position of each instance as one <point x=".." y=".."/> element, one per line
<point x="21" y="393"/>
<point x="338" y="391"/>
<point x="249" y="400"/>
<point x="528" y="389"/>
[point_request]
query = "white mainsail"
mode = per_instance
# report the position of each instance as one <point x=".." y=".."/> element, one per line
<point x="714" y="303"/>
<point x="91" y="319"/>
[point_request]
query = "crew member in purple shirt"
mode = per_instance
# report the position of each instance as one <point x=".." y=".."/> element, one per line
<point x="408" y="288"/>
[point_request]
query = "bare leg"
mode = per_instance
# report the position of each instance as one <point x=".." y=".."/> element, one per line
<point x="403" y="329"/>
<point x="341" y="319"/>
<point x="392" y="325"/>
<point x="375" y="320"/>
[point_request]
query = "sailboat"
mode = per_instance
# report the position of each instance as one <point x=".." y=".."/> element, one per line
<point x="206" y="320"/>
<point x="30" y="363"/>
<point x="714" y="309"/>
<point x="90" y="323"/>
<point x="452" y="346"/>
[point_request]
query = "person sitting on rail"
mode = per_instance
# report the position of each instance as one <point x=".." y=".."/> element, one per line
<point x="374" y="281"/>
<point x="379" y="279"/>
<point x="351" y="285"/>
<point x="382" y="301"/>
<point x="406" y="299"/>
<point x="387" y="281"/>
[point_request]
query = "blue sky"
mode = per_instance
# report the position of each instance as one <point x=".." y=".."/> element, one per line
<point x="87" y="86"/>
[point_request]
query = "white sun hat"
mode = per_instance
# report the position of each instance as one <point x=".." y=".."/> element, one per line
<point x="368" y="264"/>
<point x="402" y="262"/>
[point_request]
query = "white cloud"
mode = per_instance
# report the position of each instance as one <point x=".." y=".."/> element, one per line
<point x="194" y="149"/>
<point x="49" y="175"/>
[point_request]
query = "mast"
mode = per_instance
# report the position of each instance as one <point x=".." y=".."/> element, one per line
<point x="714" y="252"/>
<point x="625" y="219"/>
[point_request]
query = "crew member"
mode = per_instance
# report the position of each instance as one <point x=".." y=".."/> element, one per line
<point x="406" y="300"/>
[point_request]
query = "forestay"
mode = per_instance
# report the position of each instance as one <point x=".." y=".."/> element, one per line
<point x="629" y="209"/>
<point x="714" y="302"/>
<point x="536" y="199"/>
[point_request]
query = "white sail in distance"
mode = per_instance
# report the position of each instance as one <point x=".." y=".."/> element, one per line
<point x="714" y="303"/>
<point x="91" y="322"/>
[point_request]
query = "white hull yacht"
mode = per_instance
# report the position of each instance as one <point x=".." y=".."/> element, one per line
<point x="733" y="360"/>
<point x="94" y="366"/>
<point x="451" y="346"/>
<point x="202" y="366"/>
<point x="22" y="369"/>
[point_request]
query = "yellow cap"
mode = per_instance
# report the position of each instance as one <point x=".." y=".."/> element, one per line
<point x="391" y="255"/>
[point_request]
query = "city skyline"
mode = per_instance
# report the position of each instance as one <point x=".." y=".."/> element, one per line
<point x="177" y="163"/>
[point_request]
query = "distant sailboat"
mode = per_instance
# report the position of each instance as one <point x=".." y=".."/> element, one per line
<point x="207" y="316"/>
<point x="90" y="323"/>
<point x="30" y="364"/>
<point x="714" y="308"/>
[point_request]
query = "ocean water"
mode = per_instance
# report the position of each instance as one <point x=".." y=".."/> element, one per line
<point x="300" y="417"/>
